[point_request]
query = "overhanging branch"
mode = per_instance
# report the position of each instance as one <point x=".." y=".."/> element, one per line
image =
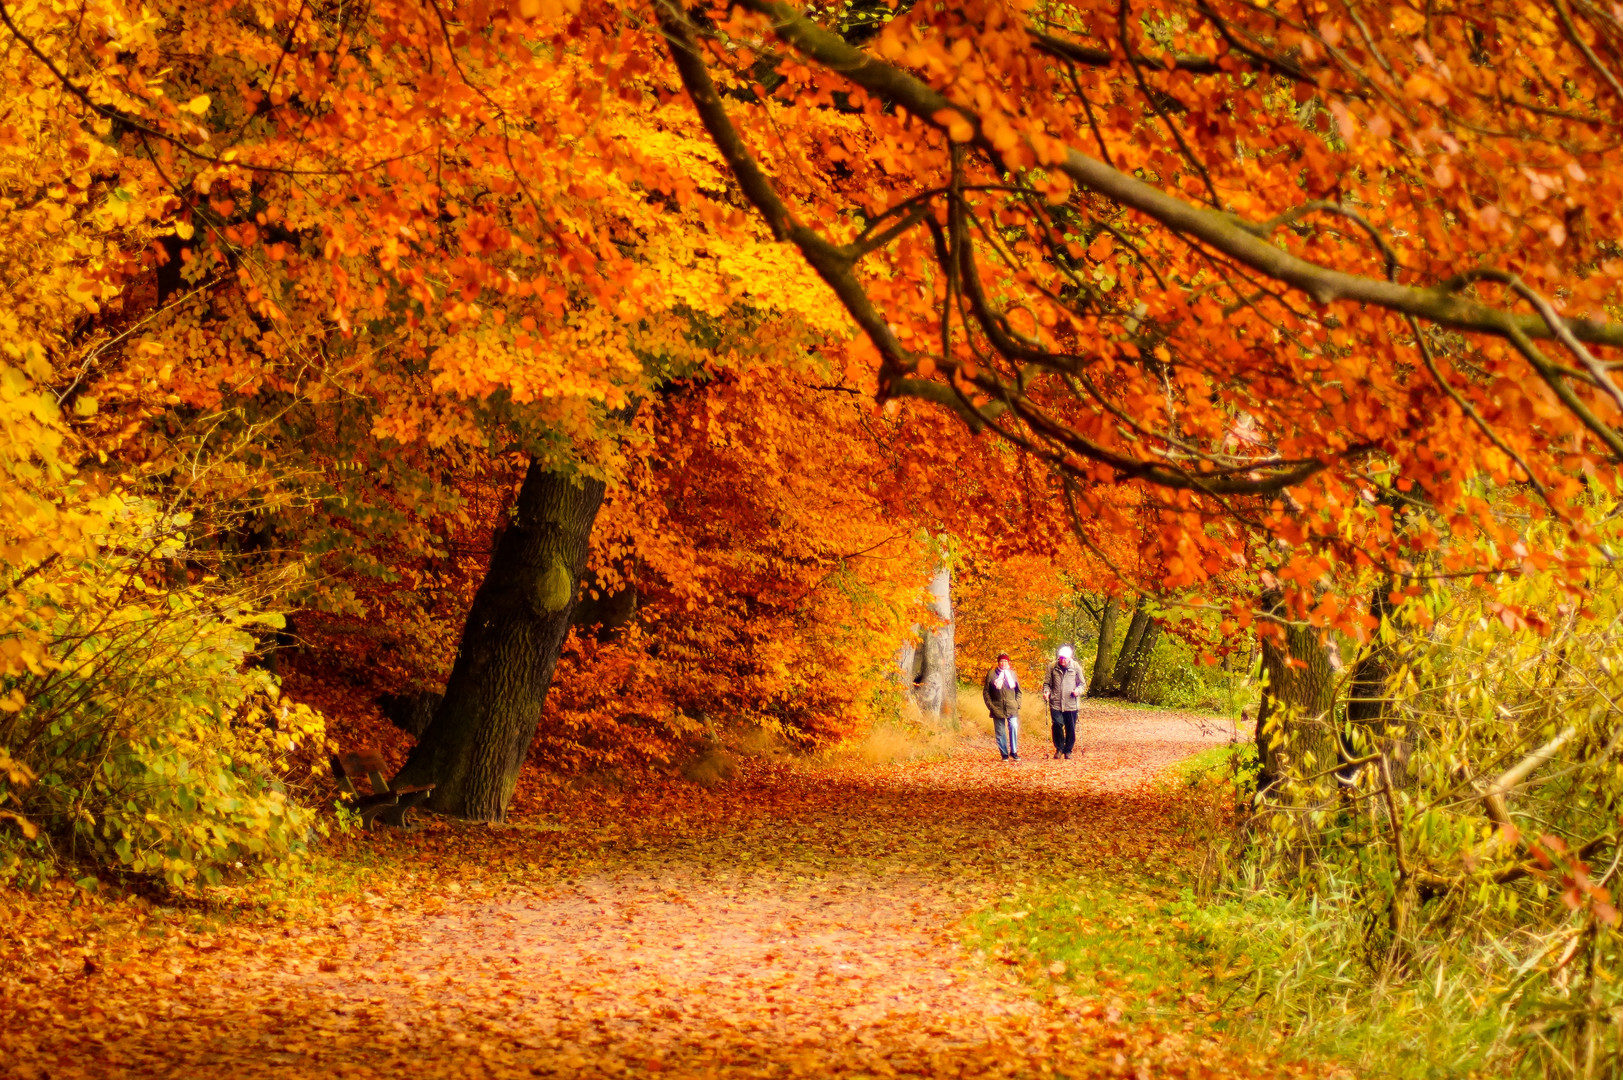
<point x="1061" y="447"/>
<point x="1226" y="233"/>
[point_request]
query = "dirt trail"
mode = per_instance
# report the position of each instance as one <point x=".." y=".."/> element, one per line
<point x="795" y="923"/>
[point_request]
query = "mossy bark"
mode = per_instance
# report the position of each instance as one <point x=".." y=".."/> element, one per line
<point x="1099" y="685"/>
<point x="1296" y="723"/>
<point x="1368" y="718"/>
<point x="1122" y="672"/>
<point x="1132" y="687"/>
<point x="1126" y="678"/>
<point x="474" y="746"/>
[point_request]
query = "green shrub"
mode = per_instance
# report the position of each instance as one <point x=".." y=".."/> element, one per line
<point x="1233" y="766"/>
<point x="1176" y="679"/>
<point x="135" y="734"/>
<point x="1451" y="908"/>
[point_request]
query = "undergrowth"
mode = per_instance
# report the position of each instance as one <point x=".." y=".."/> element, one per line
<point x="910" y="736"/>
<point x="1161" y="944"/>
<point x="1177" y="679"/>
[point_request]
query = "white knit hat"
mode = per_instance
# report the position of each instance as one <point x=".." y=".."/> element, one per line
<point x="1065" y="651"/>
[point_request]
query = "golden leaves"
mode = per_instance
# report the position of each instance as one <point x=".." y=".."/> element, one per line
<point x="549" y="10"/>
<point x="798" y="921"/>
<point x="959" y="129"/>
<point x="16" y="776"/>
<point x="1493" y="186"/>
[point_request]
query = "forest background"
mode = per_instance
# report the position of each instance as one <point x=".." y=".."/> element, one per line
<point x="597" y="387"/>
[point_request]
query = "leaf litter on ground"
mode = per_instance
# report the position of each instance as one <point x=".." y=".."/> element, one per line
<point x="797" y="921"/>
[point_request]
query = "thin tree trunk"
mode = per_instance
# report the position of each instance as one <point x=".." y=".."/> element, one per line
<point x="483" y="727"/>
<point x="930" y="669"/>
<point x="1100" y="683"/>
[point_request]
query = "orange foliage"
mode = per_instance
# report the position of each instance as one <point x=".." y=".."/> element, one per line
<point x="470" y="228"/>
<point x="775" y="578"/>
<point x="373" y="262"/>
<point x="1290" y="271"/>
<point x="1000" y="606"/>
<point x="774" y="589"/>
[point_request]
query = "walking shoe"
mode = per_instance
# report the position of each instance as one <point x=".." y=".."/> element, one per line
<point x="1005" y="757"/>
<point x="1067" y="755"/>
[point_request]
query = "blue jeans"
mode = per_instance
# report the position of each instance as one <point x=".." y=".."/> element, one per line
<point x="1064" y="729"/>
<point x="1008" y="734"/>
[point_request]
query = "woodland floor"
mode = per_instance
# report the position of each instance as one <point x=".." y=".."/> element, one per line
<point x="794" y="921"/>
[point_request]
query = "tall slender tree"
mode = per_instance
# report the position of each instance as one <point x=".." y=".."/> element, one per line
<point x="1099" y="685"/>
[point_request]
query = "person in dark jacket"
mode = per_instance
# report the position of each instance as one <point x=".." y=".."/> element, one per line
<point x="1001" y="692"/>
<point x="1063" y="690"/>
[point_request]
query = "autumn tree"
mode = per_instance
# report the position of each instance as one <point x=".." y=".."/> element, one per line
<point x="466" y="230"/>
<point x="387" y="247"/>
<point x="1005" y="601"/>
<point x="1273" y="264"/>
<point x="1109" y="613"/>
<point x="774" y="584"/>
<point x="752" y="574"/>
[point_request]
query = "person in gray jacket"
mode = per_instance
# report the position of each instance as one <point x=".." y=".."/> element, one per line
<point x="1001" y="692"/>
<point x="1063" y="690"/>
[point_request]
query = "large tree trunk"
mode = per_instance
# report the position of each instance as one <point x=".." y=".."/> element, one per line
<point x="483" y="727"/>
<point x="1296" y="724"/>
<point x="1367" y="713"/>
<point x="1136" y="629"/>
<point x="1132" y="685"/>
<point x="930" y="668"/>
<point x="1099" y="685"/>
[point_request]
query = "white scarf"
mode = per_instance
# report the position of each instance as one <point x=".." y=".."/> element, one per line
<point x="1011" y="682"/>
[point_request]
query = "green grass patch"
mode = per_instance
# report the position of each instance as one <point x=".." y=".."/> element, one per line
<point x="1261" y="970"/>
<point x="1249" y="963"/>
<point x="1125" y="943"/>
<point x="1234" y="763"/>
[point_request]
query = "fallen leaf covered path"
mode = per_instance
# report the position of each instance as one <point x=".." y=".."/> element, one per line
<point x="796" y="922"/>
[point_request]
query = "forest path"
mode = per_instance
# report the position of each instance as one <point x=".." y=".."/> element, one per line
<point x="795" y="922"/>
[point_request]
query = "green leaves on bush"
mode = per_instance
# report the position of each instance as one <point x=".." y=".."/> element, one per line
<point x="138" y="735"/>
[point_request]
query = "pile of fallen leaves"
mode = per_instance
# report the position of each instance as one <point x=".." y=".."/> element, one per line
<point x="796" y="921"/>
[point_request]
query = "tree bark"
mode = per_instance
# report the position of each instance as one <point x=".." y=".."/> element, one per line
<point x="1295" y="728"/>
<point x="930" y="669"/>
<point x="1132" y="686"/>
<point x="1100" y="683"/>
<point x="1129" y="649"/>
<point x="474" y="746"/>
<point x="1366" y="702"/>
